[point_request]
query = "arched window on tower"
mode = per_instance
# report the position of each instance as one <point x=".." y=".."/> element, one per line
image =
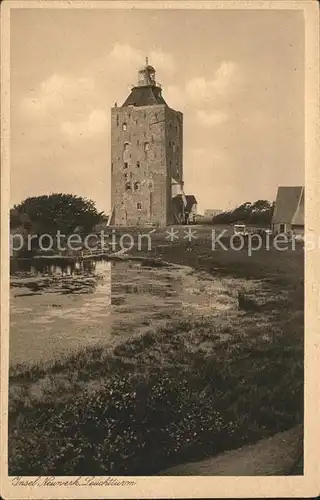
<point x="146" y="149"/>
<point x="126" y="152"/>
<point x="124" y="126"/>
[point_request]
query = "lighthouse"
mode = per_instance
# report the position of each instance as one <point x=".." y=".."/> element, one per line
<point x="146" y="156"/>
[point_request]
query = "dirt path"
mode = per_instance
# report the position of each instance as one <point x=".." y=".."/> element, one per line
<point x="276" y="455"/>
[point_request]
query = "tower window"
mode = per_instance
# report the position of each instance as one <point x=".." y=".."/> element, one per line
<point x="126" y="152"/>
<point x="125" y="165"/>
<point x="112" y="167"/>
<point x="117" y="120"/>
<point x="174" y="147"/>
<point x="146" y="146"/>
<point x="139" y="206"/>
<point x="124" y="126"/>
<point x="138" y="142"/>
<point x="128" y="186"/>
<point x="138" y="164"/>
<point x="125" y="175"/>
<point x="136" y="186"/>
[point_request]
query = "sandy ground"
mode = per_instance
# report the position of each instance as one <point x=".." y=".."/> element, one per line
<point x="269" y="457"/>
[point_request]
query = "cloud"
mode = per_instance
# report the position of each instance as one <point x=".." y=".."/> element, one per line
<point x="129" y="55"/>
<point x="212" y="118"/>
<point x="60" y="92"/>
<point x="175" y="97"/>
<point x="54" y="92"/>
<point x="95" y="124"/>
<point x="200" y="91"/>
<point x="226" y="78"/>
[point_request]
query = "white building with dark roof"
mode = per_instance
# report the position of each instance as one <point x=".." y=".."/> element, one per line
<point x="288" y="212"/>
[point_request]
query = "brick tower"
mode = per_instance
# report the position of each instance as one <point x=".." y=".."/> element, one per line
<point x="146" y="157"/>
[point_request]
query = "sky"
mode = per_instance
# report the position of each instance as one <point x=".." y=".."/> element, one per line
<point x="237" y="76"/>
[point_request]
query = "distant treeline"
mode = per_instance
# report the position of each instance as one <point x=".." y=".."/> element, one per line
<point x="260" y="212"/>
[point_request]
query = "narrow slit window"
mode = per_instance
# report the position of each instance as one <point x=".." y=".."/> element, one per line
<point x="125" y="165"/>
<point x="138" y="164"/>
<point x="139" y="206"/>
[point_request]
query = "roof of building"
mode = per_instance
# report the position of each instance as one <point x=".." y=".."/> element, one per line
<point x="289" y="207"/>
<point x="190" y="198"/>
<point x="149" y="68"/>
<point x="147" y="95"/>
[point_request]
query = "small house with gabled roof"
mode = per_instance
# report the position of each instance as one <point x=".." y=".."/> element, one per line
<point x="288" y="212"/>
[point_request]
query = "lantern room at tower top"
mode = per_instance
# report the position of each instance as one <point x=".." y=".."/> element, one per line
<point x="146" y="75"/>
<point x="146" y="157"/>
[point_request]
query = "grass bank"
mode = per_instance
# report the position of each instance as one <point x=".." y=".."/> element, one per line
<point x="189" y="389"/>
